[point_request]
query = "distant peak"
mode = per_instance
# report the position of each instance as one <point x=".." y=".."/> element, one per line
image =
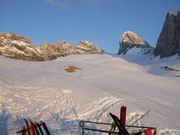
<point x="129" y="40"/>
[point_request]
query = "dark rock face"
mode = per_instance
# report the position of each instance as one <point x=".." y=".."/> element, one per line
<point x="130" y="40"/>
<point x="168" y="43"/>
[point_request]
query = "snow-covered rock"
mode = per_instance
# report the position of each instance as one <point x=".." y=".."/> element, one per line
<point x="130" y="40"/>
<point x="86" y="47"/>
<point x="18" y="47"/>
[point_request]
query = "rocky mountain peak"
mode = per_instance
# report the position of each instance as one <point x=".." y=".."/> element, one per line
<point x="168" y="43"/>
<point x="131" y="37"/>
<point x="130" y="40"/>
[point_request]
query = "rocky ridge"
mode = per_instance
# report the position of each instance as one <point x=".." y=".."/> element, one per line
<point x="130" y="40"/>
<point x="168" y="43"/>
<point x="19" y="47"/>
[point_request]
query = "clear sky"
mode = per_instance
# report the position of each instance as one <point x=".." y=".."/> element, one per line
<point x="99" y="21"/>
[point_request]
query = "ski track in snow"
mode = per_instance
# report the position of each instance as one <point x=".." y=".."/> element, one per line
<point x="57" y="108"/>
<point x="96" y="109"/>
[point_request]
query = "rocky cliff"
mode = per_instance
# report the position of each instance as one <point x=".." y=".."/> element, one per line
<point x="168" y="43"/>
<point x="19" y="47"/>
<point x="130" y="40"/>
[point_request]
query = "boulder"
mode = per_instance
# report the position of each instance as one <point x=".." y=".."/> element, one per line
<point x="130" y="40"/>
<point x="168" y="43"/>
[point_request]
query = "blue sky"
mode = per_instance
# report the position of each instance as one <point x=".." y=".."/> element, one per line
<point x="99" y="21"/>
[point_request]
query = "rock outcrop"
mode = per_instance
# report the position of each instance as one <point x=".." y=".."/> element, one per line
<point x="48" y="51"/>
<point x="19" y="47"/>
<point x="62" y="48"/>
<point x="168" y="43"/>
<point x="130" y="40"/>
<point x="85" y="47"/>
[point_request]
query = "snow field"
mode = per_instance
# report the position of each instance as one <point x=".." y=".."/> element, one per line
<point x="44" y="91"/>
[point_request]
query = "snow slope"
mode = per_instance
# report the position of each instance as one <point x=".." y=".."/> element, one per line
<point x="45" y="91"/>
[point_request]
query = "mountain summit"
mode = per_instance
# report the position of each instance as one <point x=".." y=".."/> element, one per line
<point x="130" y="40"/>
